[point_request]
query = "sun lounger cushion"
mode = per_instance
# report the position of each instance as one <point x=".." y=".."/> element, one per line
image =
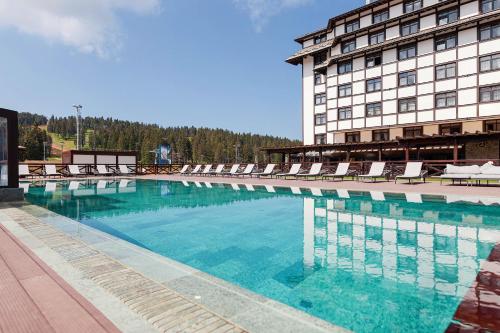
<point x="469" y="169"/>
<point x="491" y="170"/>
<point x="456" y="176"/>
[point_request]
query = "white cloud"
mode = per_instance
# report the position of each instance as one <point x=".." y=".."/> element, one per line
<point x="90" y="26"/>
<point x="260" y="11"/>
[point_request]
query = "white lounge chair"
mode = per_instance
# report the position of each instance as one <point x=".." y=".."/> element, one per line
<point x="376" y="171"/>
<point x="459" y="173"/>
<point x="314" y="172"/>
<point x="489" y="172"/>
<point x="218" y="170"/>
<point x="233" y="171"/>
<point x="341" y="171"/>
<point x="413" y="171"/>
<point x="102" y="170"/>
<point x="184" y="169"/>
<point x="196" y="170"/>
<point x="124" y="170"/>
<point x="268" y="171"/>
<point x="206" y="170"/>
<point x="50" y="170"/>
<point x="74" y="171"/>
<point x="24" y="171"/>
<point x="294" y="170"/>
<point x="247" y="171"/>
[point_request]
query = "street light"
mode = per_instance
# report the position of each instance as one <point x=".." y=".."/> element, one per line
<point x="78" y="109"/>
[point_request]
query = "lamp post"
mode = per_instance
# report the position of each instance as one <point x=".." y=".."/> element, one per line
<point x="78" y="109"/>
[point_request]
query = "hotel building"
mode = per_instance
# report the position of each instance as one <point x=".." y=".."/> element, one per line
<point x="396" y="70"/>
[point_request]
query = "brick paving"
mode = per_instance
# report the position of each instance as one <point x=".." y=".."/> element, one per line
<point x="33" y="298"/>
<point x="164" y="309"/>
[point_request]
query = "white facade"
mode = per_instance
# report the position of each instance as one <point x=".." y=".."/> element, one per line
<point x="438" y="80"/>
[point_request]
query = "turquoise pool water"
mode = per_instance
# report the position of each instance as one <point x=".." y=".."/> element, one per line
<point x="369" y="262"/>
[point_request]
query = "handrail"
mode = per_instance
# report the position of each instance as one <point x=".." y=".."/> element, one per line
<point x="393" y="168"/>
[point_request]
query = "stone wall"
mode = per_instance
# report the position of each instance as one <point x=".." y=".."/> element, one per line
<point x="487" y="149"/>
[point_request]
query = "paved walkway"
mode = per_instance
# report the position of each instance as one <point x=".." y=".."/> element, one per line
<point x="425" y="188"/>
<point x="33" y="298"/>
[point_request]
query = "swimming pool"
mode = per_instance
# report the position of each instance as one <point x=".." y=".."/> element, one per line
<point x="366" y="261"/>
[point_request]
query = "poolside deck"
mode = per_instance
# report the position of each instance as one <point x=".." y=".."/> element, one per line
<point x="33" y="298"/>
<point x="430" y="187"/>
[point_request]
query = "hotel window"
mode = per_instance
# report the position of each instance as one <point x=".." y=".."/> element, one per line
<point x="318" y="78"/>
<point x="489" y="5"/>
<point x="446" y="42"/>
<point x="407" y="51"/>
<point x="446" y="129"/>
<point x="377" y="37"/>
<point x="409" y="28"/>
<point x="412" y="5"/>
<point x="489" y="31"/>
<point x="492" y="125"/>
<point x="412" y="132"/>
<point x="320" y="39"/>
<point x="374" y="84"/>
<point x="380" y="135"/>
<point x="407" y="78"/>
<point x="407" y="105"/>
<point x="489" y="63"/>
<point x="373" y="109"/>
<point x="445" y="71"/>
<point x="349" y="46"/>
<point x="320" y="99"/>
<point x="320" y="58"/>
<point x="352" y="137"/>
<point x="320" y="139"/>
<point x="351" y="26"/>
<point x="345" y="113"/>
<point x="380" y="16"/>
<point x="320" y="119"/>
<point x="345" y="90"/>
<point x="447" y="16"/>
<point x="373" y="60"/>
<point x="489" y="94"/>
<point x="344" y="67"/>
<point x="446" y="99"/>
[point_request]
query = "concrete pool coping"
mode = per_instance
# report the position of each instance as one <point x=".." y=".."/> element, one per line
<point x="429" y="188"/>
<point x="243" y="308"/>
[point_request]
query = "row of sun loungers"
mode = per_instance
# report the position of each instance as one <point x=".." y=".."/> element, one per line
<point x="377" y="170"/>
<point x="472" y="173"/>
<point x="49" y="170"/>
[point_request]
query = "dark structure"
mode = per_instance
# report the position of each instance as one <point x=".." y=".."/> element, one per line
<point x="9" y="138"/>
<point x="450" y="147"/>
<point x="94" y="157"/>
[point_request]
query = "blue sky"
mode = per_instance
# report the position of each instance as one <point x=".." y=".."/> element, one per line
<point x="211" y="63"/>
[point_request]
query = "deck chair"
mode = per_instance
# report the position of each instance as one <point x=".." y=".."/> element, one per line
<point x="268" y="171"/>
<point x="74" y="171"/>
<point x="184" y="169"/>
<point x="218" y="170"/>
<point x="341" y="171"/>
<point x="50" y="170"/>
<point x="233" y="171"/>
<point x="413" y="170"/>
<point x="247" y="171"/>
<point x="376" y="171"/>
<point x="24" y="171"/>
<point x="206" y="170"/>
<point x="103" y="170"/>
<point x="294" y="170"/>
<point x="314" y="172"/>
<point x="124" y="170"/>
<point x="196" y="170"/>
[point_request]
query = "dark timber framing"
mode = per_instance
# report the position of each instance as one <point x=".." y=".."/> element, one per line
<point x="12" y="147"/>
